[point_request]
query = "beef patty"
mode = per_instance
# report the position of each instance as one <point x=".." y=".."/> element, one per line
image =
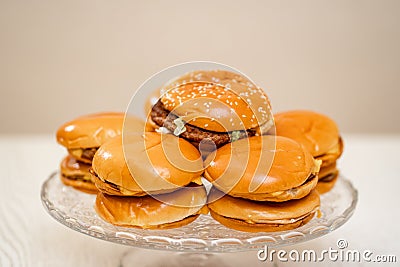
<point x="164" y="118"/>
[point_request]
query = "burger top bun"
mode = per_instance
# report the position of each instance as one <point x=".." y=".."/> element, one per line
<point x="148" y="162"/>
<point x="217" y="100"/>
<point x="316" y="132"/>
<point x="95" y="129"/>
<point x="260" y="164"/>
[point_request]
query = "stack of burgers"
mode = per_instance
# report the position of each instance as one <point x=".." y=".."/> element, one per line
<point x="319" y="135"/>
<point x="96" y="164"/>
<point x="217" y="125"/>
<point x="147" y="190"/>
<point x="82" y="137"/>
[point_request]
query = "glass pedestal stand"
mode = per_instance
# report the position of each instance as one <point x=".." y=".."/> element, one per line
<point x="197" y="244"/>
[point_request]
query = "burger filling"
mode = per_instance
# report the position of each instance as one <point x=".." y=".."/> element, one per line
<point x="164" y="118"/>
<point x="77" y="177"/>
<point x="328" y="178"/>
<point x="114" y="186"/>
<point x="83" y="153"/>
<point x="330" y="156"/>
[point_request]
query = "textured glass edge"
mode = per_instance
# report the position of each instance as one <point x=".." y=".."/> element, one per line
<point x="212" y="245"/>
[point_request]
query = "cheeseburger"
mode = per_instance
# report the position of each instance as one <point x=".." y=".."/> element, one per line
<point x="255" y="216"/>
<point x="318" y="134"/>
<point x="77" y="175"/>
<point x="83" y="136"/>
<point x="148" y="163"/>
<point x="176" y="209"/>
<point x="214" y="106"/>
<point x="263" y="168"/>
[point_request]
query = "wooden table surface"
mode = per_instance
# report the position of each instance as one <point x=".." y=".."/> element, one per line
<point x="30" y="237"/>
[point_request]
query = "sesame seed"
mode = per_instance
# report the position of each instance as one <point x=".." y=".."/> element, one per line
<point x="206" y="125"/>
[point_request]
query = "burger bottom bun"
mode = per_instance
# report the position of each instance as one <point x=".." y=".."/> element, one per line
<point x="325" y="185"/>
<point x="259" y="227"/>
<point x="177" y="209"/>
<point x="279" y="196"/>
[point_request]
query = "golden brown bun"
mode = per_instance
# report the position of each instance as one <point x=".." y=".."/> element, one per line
<point x="91" y="131"/>
<point x="240" y="105"/>
<point x="317" y="132"/>
<point x="291" y="167"/>
<point x="76" y="174"/>
<point x="256" y="216"/>
<point x="240" y="225"/>
<point x="148" y="163"/>
<point x="230" y="79"/>
<point x="149" y="213"/>
<point x="326" y="185"/>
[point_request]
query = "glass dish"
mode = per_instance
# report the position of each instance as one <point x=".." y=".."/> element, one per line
<point x="75" y="210"/>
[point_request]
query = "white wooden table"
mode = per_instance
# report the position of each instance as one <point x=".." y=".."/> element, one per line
<point x="30" y="237"/>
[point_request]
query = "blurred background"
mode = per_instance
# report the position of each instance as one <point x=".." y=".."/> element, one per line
<point x="59" y="60"/>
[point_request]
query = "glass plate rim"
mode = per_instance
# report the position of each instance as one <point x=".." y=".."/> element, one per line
<point x="208" y="246"/>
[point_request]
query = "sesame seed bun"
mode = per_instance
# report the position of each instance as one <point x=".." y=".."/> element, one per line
<point x="316" y="132"/>
<point x="183" y="207"/>
<point x="149" y="169"/>
<point x="238" y="82"/>
<point x="76" y="174"/>
<point x="238" y="166"/>
<point x="215" y="108"/>
<point x="255" y="216"/>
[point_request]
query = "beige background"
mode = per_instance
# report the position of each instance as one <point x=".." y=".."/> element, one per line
<point x="62" y="59"/>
